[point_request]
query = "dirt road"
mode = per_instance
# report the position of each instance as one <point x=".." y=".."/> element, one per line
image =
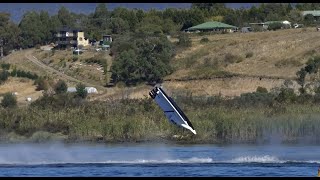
<point x="34" y="60"/>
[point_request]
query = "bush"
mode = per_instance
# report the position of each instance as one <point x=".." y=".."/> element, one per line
<point x="14" y="72"/>
<point x="42" y="84"/>
<point x="9" y="100"/>
<point x="61" y="87"/>
<point x="81" y="91"/>
<point x="204" y="40"/>
<point x="74" y="58"/>
<point x="286" y="95"/>
<point x="275" y="26"/>
<point x="4" y="76"/>
<point x="230" y="58"/>
<point x="184" y="40"/>
<point x="262" y="90"/>
<point x="249" y="54"/>
<point x="5" y="66"/>
<point x="21" y="73"/>
<point x="253" y="99"/>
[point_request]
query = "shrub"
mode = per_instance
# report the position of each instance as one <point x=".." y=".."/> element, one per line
<point x="9" y="100"/>
<point x="5" y="66"/>
<point x="60" y="87"/>
<point x="230" y="58"/>
<point x="249" y="54"/>
<point x="74" y="58"/>
<point x="42" y="84"/>
<point x="184" y="40"/>
<point x="286" y="95"/>
<point x="275" y="26"/>
<point x="4" y="76"/>
<point x="262" y="89"/>
<point x="14" y="72"/>
<point x="253" y="99"/>
<point x="204" y="40"/>
<point x="81" y="91"/>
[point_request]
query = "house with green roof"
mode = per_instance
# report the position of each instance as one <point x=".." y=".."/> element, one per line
<point x="212" y="26"/>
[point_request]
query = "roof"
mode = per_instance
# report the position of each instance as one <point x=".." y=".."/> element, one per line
<point x="314" y="13"/>
<point x="211" y="25"/>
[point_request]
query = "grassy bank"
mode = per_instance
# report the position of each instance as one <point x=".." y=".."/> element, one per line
<point x="142" y="120"/>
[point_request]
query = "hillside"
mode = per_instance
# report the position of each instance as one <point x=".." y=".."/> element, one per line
<point x="229" y="64"/>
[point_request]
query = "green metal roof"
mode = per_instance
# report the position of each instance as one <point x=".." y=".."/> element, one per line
<point x="314" y="13"/>
<point x="211" y="25"/>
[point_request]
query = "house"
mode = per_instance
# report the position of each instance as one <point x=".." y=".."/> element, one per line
<point x="212" y="26"/>
<point x="107" y="38"/>
<point x="67" y="37"/>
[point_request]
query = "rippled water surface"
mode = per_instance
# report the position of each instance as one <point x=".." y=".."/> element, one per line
<point x="57" y="159"/>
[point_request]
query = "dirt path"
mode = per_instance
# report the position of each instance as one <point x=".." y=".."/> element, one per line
<point x="34" y="60"/>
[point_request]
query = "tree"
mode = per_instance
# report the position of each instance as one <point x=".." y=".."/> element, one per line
<point x="100" y="16"/>
<point x="208" y="6"/>
<point x="150" y="25"/>
<point x="309" y="19"/>
<point x="9" y="33"/>
<point x="81" y="91"/>
<point x="154" y="54"/>
<point x="31" y="27"/>
<point x="146" y="58"/>
<point x="9" y="100"/>
<point x="191" y="18"/>
<point x="295" y="16"/>
<point x="126" y="68"/>
<point x="65" y="17"/>
<point x="118" y="25"/>
<point x="60" y="87"/>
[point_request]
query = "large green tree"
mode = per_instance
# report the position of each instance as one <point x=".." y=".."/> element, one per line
<point x="9" y="33"/>
<point x="31" y="30"/>
<point x="65" y="17"/>
<point x="146" y="58"/>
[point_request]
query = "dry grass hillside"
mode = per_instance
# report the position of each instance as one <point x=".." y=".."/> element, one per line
<point x="229" y="64"/>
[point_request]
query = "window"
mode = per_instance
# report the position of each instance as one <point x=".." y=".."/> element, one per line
<point x="80" y="38"/>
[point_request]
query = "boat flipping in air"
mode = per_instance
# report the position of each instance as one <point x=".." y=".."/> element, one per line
<point x="171" y="109"/>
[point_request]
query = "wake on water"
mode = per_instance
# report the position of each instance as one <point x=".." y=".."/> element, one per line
<point x="58" y="154"/>
<point x="194" y="160"/>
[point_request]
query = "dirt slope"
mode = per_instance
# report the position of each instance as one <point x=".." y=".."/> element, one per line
<point x="265" y="59"/>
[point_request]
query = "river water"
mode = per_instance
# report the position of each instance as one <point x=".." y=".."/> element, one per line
<point x="154" y="160"/>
